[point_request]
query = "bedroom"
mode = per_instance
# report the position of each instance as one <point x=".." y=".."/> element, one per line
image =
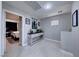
<point x="13" y="25"/>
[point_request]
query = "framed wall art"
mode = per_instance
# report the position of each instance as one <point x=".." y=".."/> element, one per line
<point x="75" y="19"/>
<point x="27" y="21"/>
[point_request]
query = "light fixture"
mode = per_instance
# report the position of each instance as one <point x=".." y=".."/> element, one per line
<point x="47" y="6"/>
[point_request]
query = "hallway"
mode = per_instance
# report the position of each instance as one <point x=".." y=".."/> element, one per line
<point x="44" y="48"/>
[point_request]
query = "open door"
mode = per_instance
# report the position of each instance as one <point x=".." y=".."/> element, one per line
<point x="13" y="31"/>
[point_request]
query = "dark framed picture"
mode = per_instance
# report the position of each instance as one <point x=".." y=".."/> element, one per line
<point x="75" y="19"/>
<point x="38" y="23"/>
<point x="27" y="21"/>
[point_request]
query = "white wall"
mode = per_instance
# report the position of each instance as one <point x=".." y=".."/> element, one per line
<point x="53" y="32"/>
<point x="0" y="28"/>
<point x="2" y="41"/>
<point x="70" y="40"/>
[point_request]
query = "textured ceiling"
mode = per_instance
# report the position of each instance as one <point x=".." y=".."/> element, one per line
<point x="36" y="8"/>
<point x="33" y="4"/>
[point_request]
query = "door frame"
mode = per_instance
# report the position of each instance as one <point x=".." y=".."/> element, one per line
<point x="4" y="26"/>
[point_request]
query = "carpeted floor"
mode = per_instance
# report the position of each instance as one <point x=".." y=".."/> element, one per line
<point x="11" y="41"/>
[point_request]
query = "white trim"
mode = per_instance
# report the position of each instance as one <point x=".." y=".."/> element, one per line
<point x="52" y="40"/>
<point x="69" y="53"/>
<point x="23" y="23"/>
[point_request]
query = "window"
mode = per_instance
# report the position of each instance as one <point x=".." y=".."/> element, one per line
<point x="54" y="22"/>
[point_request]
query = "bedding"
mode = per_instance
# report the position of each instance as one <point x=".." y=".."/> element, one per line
<point x="15" y="34"/>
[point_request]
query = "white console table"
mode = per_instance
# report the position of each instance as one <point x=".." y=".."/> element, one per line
<point x="33" y="38"/>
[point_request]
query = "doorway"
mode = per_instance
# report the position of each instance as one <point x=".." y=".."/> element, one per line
<point x="13" y="30"/>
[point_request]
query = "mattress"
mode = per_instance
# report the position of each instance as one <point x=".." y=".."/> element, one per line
<point x="15" y="34"/>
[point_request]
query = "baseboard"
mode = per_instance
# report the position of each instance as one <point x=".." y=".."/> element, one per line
<point x="69" y="53"/>
<point x="52" y="40"/>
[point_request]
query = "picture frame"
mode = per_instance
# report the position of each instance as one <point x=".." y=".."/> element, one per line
<point x="38" y="23"/>
<point x="27" y="21"/>
<point x="75" y="18"/>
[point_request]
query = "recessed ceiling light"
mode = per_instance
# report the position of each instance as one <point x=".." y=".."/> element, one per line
<point x="48" y="6"/>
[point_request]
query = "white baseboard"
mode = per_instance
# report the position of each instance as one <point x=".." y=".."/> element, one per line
<point x="69" y="53"/>
<point x="52" y="40"/>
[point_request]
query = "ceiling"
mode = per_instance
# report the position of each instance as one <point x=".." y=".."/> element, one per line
<point x="36" y="8"/>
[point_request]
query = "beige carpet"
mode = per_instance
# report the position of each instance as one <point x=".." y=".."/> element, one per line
<point x="11" y="41"/>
